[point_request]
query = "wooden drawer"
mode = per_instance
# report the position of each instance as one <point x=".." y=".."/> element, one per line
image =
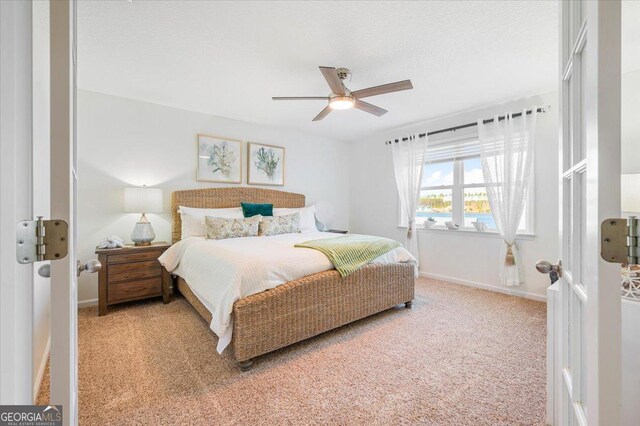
<point x="134" y="257"/>
<point x="134" y="275"/>
<point x="133" y="267"/>
<point x="120" y="292"/>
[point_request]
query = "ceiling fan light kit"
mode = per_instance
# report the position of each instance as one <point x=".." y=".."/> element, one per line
<point x="342" y="102"/>
<point x="342" y="98"/>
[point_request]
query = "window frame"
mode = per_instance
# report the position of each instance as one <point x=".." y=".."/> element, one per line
<point x="457" y="196"/>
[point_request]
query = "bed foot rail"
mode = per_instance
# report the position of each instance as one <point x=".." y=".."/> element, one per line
<point x="408" y="304"/>
<point x="245" y="365"/>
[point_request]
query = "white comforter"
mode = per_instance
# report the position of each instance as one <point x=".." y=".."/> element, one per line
<point x="220" y="272"/>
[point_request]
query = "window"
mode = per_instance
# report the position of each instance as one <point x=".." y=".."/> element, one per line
<point x="453" y="188"/>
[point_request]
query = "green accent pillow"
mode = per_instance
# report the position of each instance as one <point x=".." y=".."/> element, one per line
<point x="249" y="209"/>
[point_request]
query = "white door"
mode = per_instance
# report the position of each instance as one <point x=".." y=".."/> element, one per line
<point x="64" y="302"/>
<point x="19" y="152"/>
<point x="16" y="280"/>
<point x="588" y="381"/>
<point x="20" y="115"/>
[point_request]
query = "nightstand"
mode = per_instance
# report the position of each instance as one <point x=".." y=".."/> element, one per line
<point x="132" y="273"/>
<point x="336" y="231"/>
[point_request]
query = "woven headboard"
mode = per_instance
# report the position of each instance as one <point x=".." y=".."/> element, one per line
<point x="220" y="198"/>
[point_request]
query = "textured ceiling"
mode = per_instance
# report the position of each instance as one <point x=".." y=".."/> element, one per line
<point x="229" y="58"/>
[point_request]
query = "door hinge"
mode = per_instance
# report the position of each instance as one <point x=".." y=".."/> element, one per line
<point x="38" y="240"/>
<point x="619" y="239"/>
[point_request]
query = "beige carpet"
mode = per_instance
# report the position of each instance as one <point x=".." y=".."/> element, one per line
<point x="461" y="356"/>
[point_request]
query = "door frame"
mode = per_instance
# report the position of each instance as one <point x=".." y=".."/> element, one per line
<point x="16" y="280"/>
<point x="40" y="191"/>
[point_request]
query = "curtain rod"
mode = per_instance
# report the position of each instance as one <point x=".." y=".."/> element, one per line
<point x="464" y="126"/>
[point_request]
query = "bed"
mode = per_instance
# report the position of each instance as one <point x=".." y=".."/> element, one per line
<point x="299" y="309"/>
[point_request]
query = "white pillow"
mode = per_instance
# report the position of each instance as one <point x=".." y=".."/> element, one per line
<point x="193" y="222"/>
<point x="307" y="217"/>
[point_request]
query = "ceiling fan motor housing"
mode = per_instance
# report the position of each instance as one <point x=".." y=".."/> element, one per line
<point x="343" y="73"/>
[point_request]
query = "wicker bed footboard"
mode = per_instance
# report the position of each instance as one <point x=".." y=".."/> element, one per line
<point x="304" y="308"/>
<point x="312" y="305"/>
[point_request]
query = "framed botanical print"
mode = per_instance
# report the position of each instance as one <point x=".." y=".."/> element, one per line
<point x="265" y="164"/>
<point x="219" y="159"/>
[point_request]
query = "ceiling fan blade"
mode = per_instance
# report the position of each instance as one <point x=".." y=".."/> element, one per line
<point x="322" y="114"/>
<point x="331" y="75"/>
<point x="372" y="109"/>
<point x="300" y="98"/>
<point x="383" y="88"/>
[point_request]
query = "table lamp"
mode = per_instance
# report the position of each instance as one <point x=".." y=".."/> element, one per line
<point x="143" y="200"/>
<point x="630" y="193"/>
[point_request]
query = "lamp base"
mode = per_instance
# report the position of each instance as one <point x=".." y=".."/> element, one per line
<point x="143" y="233"/>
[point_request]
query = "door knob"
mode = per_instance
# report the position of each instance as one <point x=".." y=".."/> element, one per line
<point x="91" y="266"/>
<point x="546" y="267"/>
<point x="45" y="271"/>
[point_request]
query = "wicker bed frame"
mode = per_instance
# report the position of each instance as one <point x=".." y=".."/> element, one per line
<point x="298" y="309"/>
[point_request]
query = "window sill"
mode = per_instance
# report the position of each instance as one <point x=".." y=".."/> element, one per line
<point x="470" y="232"/>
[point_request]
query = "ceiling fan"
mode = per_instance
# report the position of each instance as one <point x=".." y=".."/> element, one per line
<point x="342" y="98"/>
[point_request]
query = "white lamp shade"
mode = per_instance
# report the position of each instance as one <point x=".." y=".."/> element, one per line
<point x="630" y="192"/>
<point x="143" y="200"/>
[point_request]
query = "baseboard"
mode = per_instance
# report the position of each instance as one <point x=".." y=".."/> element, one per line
<point x="41" y="369"/>
<point x="468" y="283"/>
<point x="88" y="302"/>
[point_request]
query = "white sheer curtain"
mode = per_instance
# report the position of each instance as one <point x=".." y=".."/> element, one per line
<point x="506" y="149"/>
<point x="408" y="159"/>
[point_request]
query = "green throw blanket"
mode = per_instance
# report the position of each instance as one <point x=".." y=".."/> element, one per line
<point x="351" y="252"/>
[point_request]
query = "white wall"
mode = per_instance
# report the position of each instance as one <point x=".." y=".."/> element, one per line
<point x="469" y="258"/>
<point x="630" y="123"/>
<point x="124" y="142"/>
